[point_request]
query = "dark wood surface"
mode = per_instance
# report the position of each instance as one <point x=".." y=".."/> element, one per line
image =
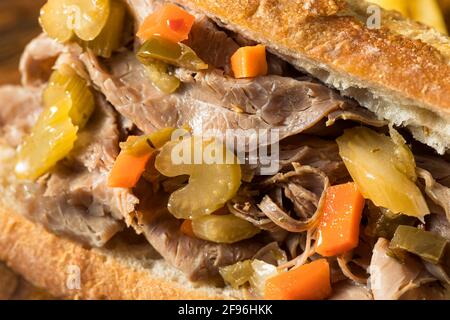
<point x="18" y="25"/>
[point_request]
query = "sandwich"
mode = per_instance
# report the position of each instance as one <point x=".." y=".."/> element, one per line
<point x="218" y="149"/>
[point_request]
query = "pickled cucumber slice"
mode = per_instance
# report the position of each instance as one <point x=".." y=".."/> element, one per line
<point x="76" y="87"/>
<point x="68" y="104"/>
<point x="51" y="139"/>
<point x="210" y="185"/>
<point x="382" y="169"/>
<point x="177" y="54"/>
<point x="158" y="73"/>
<point x="223" y="229"/>
<point x="54" y="22"/>
<point x="110" y="38"/>
<point x="143" y="144"/>
<point x="425" y="244"/>
<point x="237" y="274"/>
<point x="62" y="19"/>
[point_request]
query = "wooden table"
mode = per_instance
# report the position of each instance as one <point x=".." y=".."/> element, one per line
<point x="18" y="25"/>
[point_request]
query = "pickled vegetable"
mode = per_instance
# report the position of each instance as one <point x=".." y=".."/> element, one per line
<point x="383" y="223"/>
<point x="249" y="62"/>
<point x="158" y="72"/>
<point x="145" y="143"/>
<point x="177" y="54"/>
<point x="404" y="158"/>
<point x="237" y="274"/>
<point x="427" y="245"/>
<point x="68" y="103"/>
<point x="254" y="272"/>
<point x="170" y="21"/>
<point x="76" y="87"/>
<point x="382" y="170"/>
<point x="273" y="254"/>
<point x="129" y="166"/>
<point x="211" y="183"/>
<point x="223" y="229"/>
<point x="62" y="19"/>
<point x="310" y="281"/>
<point x="110" y="38"/>
<point x="262" y="271"/>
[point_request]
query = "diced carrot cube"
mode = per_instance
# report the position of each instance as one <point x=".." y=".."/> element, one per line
<point x="170" y="22"/>
<point x="338" y="230"/>
<point x="308" y="282"/>
<point x="249" y="62"/>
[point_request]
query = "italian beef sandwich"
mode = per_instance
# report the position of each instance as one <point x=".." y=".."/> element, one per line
<point x="222" y="149"/>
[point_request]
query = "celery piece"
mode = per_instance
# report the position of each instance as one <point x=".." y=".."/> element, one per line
<point x="427" y="245"/>
<point x="68" y="104"/>
<point x="62" y="19"/>
<point x="381" y="167"/>
<point x="110" y="38"/>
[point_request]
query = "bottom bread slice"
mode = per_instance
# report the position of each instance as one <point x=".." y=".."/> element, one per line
<point x="66" y="269"/>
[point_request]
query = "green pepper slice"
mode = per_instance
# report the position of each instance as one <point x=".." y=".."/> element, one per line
<point x="145" y="143"/>
<point x="383" y="223"/>
<point x="427" y="245"/>
<point x="177" y="54"/>
<point x="158" y="73"/>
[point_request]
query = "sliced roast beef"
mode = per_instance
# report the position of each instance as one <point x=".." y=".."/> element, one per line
<point x="439" y="224"/>
<point x="85" y="173"/>
<point x="73" y="199"/>
<point x="200" y="260"/>
<point x="314" y="152"/>
<point x="15" y="119"/>
<point x="213" y="101"/>
<point x="38" y="59"/>
<point x="246" y="208"/>
<point x="438" y="167"/>
<point x="211" y="44"/>
<point x="439" y="194"/>
<point x="97" y="145"/>
<point x="290" y="201"/>
<point x="318" y="153"/>
<point x="357" y="114"/>
<point x="348" y="290"/>
<point x="391" y="279"/>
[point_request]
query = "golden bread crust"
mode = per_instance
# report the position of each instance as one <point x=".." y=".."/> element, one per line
<point x="43" y="259"/>
<point x="335" y="34"/>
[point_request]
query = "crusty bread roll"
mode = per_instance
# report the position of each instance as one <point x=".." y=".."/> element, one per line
<point x="116" y="272"/>
<point x="401" y="72"/>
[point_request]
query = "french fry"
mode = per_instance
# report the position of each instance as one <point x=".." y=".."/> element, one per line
<point x="429" y="13"/>
<point x="398" y="5"/>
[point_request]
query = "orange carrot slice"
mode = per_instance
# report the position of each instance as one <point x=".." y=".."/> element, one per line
<point x="127" y="170"/>
<point x="338" y="230"/>
<point x="186" y="228"/>
<point x="170" y="22"/>
<point x="249" y="62"/>
<point x="308" y="282"/>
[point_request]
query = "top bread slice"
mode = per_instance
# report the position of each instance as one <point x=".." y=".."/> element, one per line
<point x="400" y="71"/>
